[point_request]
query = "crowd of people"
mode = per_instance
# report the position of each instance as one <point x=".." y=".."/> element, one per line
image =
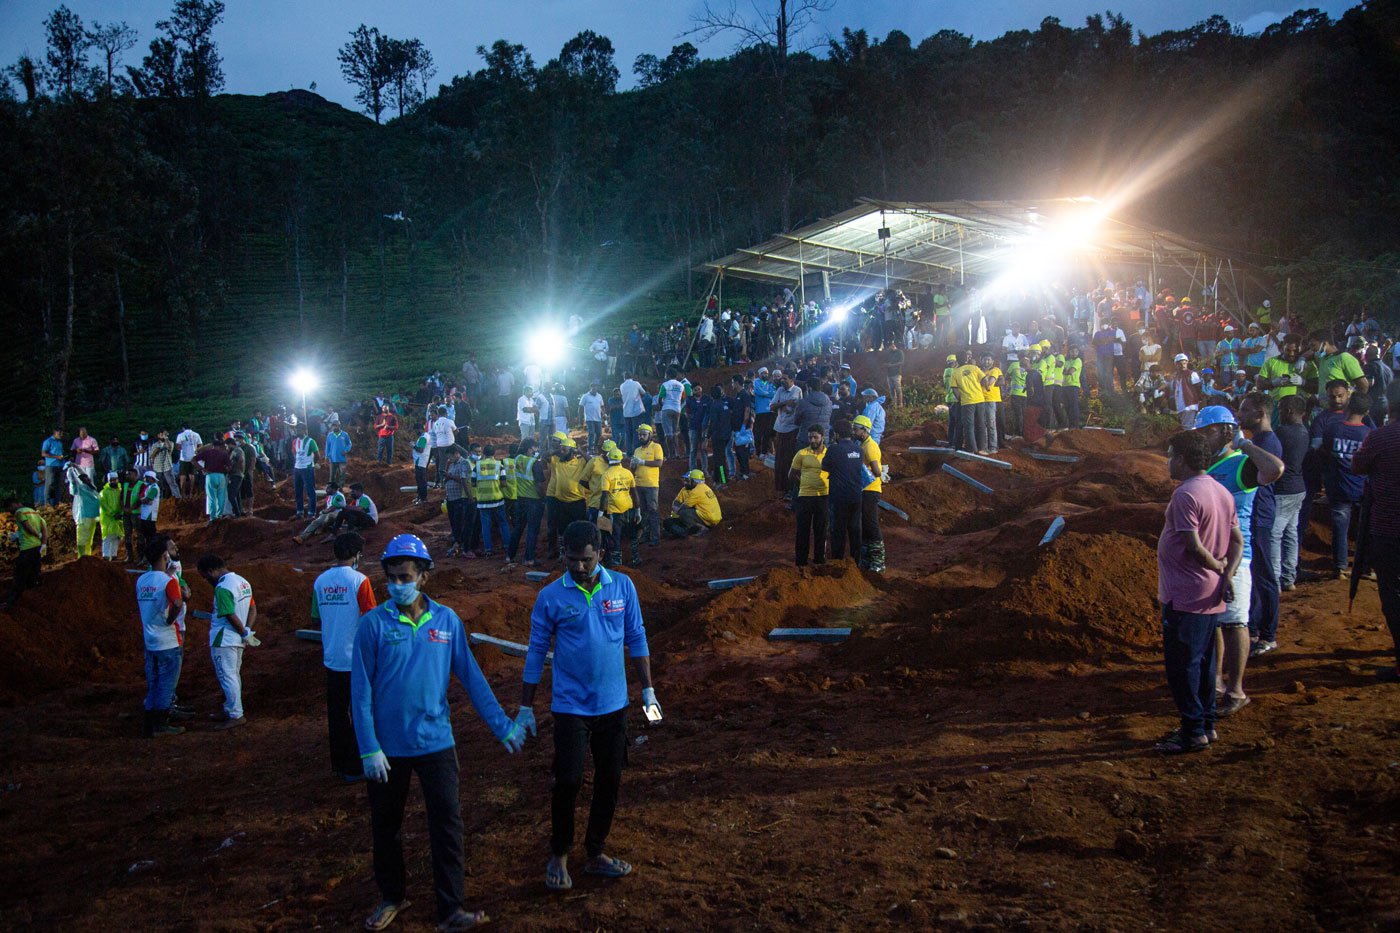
<point x="567" y="469"/>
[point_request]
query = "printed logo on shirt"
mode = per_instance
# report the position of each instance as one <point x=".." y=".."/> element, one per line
<point x="439" y="636"/>
<point x="611" y="606"/>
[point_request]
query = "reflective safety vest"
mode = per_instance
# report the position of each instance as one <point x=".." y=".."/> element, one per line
<point x="525" y="477"/>
<point x="488" y="480"/>
<point x="1016" y="379"/>
<point x="508" y="478"/>
<point x="1072" y="370"/>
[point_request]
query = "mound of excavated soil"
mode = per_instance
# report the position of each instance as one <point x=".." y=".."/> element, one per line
<point x="788" y="597"/>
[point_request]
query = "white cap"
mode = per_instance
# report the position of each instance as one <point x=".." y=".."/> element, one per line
<point x="1181" y="358"/>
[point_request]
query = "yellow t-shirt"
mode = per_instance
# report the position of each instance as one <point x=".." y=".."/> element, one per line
<point x="967" y="383"/>
<point x="551" y="486"/>
<point x="570" y="484"/>
<point x="814" y="478"/>
<point x="649" y="477"/>
<point x="994" y="393"/>
<point x="593" y="476"/>
<point x="870" y="456"/>
<point x="618" y="484"/>
<point x="702" y="500"/>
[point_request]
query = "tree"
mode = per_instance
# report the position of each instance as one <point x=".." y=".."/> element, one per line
<point x="773" y="31"/>
<point x="111" y="40"/>
<point x="30" y="77"/>
<point x="66" y="55"/>
<point x="184" y="62"/>
<point x="408" y="66"/>
<point x="159" y="74"/>
<point x="588" y="58"/>
<point x="651" y="71"/>
<point x="361" y="62"/>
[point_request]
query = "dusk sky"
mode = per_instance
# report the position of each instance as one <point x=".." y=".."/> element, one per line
<point x="271" y="45"/>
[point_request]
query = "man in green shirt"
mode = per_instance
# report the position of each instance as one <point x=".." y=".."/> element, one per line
<point x="32" y="535"/>
<point x="1329" y="363"/>
<point x="1279" y="375"/>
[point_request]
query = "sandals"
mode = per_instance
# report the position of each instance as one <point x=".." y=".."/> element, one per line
<point x="607" y="867"/>
<point x="556" y="877"/>
<point x="462" y="920"/>
<point x="384" y="915"/>
<point x="1178" y="744"/>
<point x="1231" y="706"/>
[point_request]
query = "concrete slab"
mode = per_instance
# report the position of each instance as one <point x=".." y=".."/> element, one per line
<point x="1000" y="464"/>
<point x="888" y="507"/>
<point x="819" y="635"/>
<point x="408" y="489"/>
<point x="309" y="634"/>
<point x="941" y="451"/>
<point x="1054" y="531"/>
<point x="959" y="474"/>
<point x="1051" y="458"/>
<point x="537" y="576"/>
<point x="730" y="582"/>
<point x="513" y="648"/>
<point x="1095" y="427"/>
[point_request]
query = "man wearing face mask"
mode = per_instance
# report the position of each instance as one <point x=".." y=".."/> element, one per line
<point x="404" y="654"/>
<point x="586" y="616"/>
<point x="339" y="597"/>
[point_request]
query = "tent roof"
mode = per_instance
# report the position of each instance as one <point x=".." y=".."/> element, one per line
<point x="940" y="242"/>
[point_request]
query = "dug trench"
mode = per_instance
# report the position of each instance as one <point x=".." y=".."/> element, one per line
<point x="977" y="754"/>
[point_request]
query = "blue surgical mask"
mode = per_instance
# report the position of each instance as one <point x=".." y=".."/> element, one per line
<point x="403" y="594"/>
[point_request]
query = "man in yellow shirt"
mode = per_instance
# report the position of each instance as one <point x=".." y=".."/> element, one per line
<point x="872" y="543"/>
<point x="967" y="384"/>
<point x="593" y="479"/>
<point x="617" y="505"/>
<point x="695" y="509"/>
<point x="1070" y="385"/>
<point x="570" y="485"/>
<point x="811" y="497"/>
<point x="990" y="412"/>
<point x="647" y="460"/>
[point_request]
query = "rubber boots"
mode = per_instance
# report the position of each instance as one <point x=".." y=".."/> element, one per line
<point x="161" y="724"/>
<point x="877" y="557"/>
<point x="864" y="561"/>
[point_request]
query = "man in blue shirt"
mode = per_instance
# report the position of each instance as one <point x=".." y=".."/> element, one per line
<point x="53" y="452"/>
<point x="588" y="615"/>
<point x="404" y="654"/>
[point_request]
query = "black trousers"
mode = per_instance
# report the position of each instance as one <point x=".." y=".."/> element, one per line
<point x="345" y="751"/>
<point x="573" y="736"/>
<point x="870" y="518"/>
<point x="437" y="776"/>
<point x="811" y="528"/>
<point x="570" y="512"/>
<point x="355" y="519"/>
<point x="1385" y="561"/>
<point x="845" y="528"/>
<point x="26" y="574"/>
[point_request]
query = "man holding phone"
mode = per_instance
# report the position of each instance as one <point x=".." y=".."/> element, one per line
<point x="586" y="616"/>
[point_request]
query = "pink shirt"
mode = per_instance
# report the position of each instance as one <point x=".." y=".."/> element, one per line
<point x="1183" y="582"/>
<point x="83" y="448"/>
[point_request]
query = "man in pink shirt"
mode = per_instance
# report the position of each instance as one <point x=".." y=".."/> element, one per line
<point x="85" y="448"/>
<point x="1197" y="553"/>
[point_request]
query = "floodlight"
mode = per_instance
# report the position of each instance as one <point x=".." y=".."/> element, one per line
<point x="840" y="313"/>
<point x="545" y="347"/>
<point x="304" y="381"/>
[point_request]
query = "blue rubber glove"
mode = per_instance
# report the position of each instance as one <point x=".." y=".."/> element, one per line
<point x="525" y="719"/>
<point x="649" y="699"/>
<point x="376" y="767"/>
<point x="514" y="740"/>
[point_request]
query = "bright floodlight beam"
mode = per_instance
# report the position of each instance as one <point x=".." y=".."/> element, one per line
<point x="840" y="313"/>
<point x="546" y="346"/>
<point x="304" y="381"/>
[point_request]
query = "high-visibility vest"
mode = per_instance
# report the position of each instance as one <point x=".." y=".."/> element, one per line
<point x="488" y="480"/>
<point x="525" y="477"/>
<point x="1073" y="367"/>
<point x="508" y="478"/>
<point x="1016" y="379"/>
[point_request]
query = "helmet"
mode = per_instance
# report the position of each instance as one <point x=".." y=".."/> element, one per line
<point x="568" y="442"/>
<point x="407" y="546"/>
<point x="870" y="392"/>
<point x="614" y="455"/>
<point x="1214" y="414"/>
<point x="1268" y="303"/>
<point x="610" y="444"/>
<point x="860" y="421"/>
<point x="645" y="427"/>
<point x="1208" y="370"/>
<point x="696" y="475"/>
<point x="1181" y="358"/>
<point x="952" y="357"/>
<point x="560" y="436"/>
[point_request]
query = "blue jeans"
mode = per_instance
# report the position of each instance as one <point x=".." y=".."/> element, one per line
<point x="1188" y="648"/>
<point x="216" y="495"/>
<point x="697" y="456"/>
<point x="53" y="483"/>
<point x="304" y="481"/>
<point x="595" y="434"/>
<point x="632" y="422"/>
<point x="162" y="674"/>
<point x="1283" y="537"/>
<point x="1263" y="593"/>
<point x="1341" y="527"/>
<point x="493" y="516"/>
<point x="527" y="527"/>
<point x="972" y="433"/>
<point x="385" y="453"/>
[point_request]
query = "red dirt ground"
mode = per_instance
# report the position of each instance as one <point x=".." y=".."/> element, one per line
<point x="976" y="756"/>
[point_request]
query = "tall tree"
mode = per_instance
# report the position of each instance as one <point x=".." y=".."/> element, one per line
<point x="67" y="51"/>
<point x="776" y="29"/>
<point x="408" y="66"/>
<point x="184" y="61"/>
<point x="651" y="71"/>
<point x="111" y="39"/>
<point x="362" y="64"/>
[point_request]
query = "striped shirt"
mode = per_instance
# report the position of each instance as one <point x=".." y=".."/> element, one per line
<point x="1379" y="458"/>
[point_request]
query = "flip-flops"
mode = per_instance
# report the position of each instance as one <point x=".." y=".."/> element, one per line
<point x="556" y="878"/>
<point x="607" y="867"/>
<point x="384" y="915"/>
<point x="463" y="920"/>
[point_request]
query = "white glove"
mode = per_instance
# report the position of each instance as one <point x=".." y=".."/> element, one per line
<point x="376" y="767"/>
<point x="1295" y="379"/>
<point x="251" y="640"/>
<point x="43" y="550"/>
<point x="649" y="699"/>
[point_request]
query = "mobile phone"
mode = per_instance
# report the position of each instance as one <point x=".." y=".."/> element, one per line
<point x="653" y="713"/>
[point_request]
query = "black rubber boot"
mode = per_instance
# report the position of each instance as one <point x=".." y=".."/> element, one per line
<point x="877" y="557"/>
<point x="162" y="723"/>
<point x="864" y="560"/>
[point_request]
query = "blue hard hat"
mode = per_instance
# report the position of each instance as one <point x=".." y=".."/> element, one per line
<point x="407" y="546"/>
<point x="1211" y="414"/>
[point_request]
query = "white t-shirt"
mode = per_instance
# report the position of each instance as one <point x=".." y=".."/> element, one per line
<point x="304" y="451"/>
<point x="156" y="591"/>
<point x="366" y="504"/>
<point x="1118" y="340"/>
<point x="188" y="442"/>
<point x="525" y="417"/>
<point x="421" y="457"/>
<point x="338" y="598"/>
<point x="631" y="398"/>
<point x="592" y="405"/>
<point x="600" y="350"/>
<point x="232" y="596"/>
<point x="150" y="508"/>
<point x="672" y="395"/>
<point x="707" y="329"/>
<point x="444" y="432"/>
